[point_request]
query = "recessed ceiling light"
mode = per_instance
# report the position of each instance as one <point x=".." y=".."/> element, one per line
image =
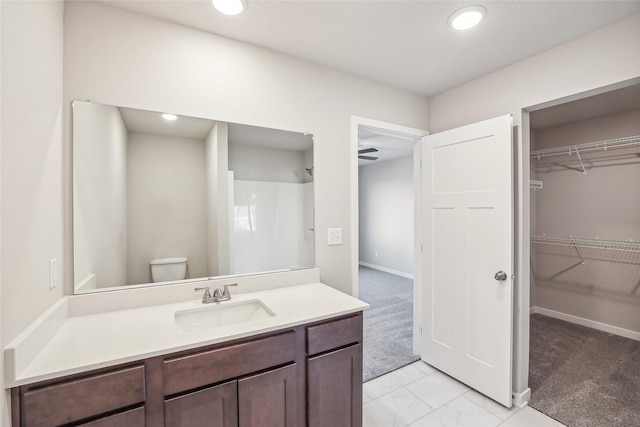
<point x="230" y="7"/>
<point x="467" y="17"/>
<point x="170" y="117"/>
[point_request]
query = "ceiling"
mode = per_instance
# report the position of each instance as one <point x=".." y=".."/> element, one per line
<point x="151" y="122"/>
<point x="390" y="145"/>
<point x="405" y="44"/>
<point x="142" y="121"/>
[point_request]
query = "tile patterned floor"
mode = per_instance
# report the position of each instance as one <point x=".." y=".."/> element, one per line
<point x="420" y="396"/>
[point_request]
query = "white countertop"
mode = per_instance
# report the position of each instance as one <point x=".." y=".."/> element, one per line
<point x="92" y="341"/>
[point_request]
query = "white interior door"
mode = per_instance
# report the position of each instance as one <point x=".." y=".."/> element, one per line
<point x="467" y="258"/>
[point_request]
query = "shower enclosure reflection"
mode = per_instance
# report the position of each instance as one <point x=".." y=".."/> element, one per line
<point x="231" y="199"/>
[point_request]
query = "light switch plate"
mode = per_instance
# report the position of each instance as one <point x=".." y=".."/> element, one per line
<point x="334" y="236"/>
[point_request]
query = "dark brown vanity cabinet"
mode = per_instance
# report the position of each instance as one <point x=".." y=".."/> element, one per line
<point x="306" y="375"/>
<point x="103" y="399"/>
<point x="334" y="376"/>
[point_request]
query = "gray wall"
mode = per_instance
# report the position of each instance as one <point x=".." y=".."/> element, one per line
<point x="386" y="214"/>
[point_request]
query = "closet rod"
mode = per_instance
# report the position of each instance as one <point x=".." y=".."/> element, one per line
<point x="615" y="245"/>
<point x="609" y="144"/>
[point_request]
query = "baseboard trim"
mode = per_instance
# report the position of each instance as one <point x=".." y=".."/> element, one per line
<point x="387" y="270"/>
<point x="522" y="399"/>
<point x="586" y="322"/>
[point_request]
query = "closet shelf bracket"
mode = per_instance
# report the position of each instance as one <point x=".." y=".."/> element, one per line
<point x="584" y="170"/>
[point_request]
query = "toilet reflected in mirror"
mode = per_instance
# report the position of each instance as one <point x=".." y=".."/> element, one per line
<point x="168" y="269"/>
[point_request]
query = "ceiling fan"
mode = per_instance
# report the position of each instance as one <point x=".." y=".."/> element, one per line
<point x="365" y="151"/>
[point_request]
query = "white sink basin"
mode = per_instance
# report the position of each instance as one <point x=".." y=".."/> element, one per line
<point x="222" y="314"/>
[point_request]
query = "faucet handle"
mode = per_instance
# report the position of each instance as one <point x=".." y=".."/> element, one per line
<point x="207" y="293"/>
<point x="226" y="292"/>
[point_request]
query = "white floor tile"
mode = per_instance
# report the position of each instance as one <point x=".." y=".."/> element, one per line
<point x="529" y="417"/>
<point x="491" y="405"/>
<point x="395" y="409"/>
<point x="459" y="412"/>
<point x="392" y="381"/>
<point x="365" y="397"/>
<point x="437" y="389"/>
<point x="424" y="367"/>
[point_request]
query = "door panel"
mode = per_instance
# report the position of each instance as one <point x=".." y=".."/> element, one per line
<point x="467" y="223"/>
<point x="212" y="407"/>
<point x="268" y="399"/>
<point x="334" y="387"/>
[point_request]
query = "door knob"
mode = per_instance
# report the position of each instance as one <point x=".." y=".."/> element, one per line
<point x="500" y="275"/>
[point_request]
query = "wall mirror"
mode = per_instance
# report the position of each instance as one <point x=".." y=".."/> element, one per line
<point x="161" y="198"/>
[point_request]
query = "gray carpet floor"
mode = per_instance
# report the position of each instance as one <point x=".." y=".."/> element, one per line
<point x="388" y="324"/>
<point x="583" y="377"/>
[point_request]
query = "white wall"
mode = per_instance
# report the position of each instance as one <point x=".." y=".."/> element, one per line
<point x="31" y="159"/>
<point x="603" y="57"/>
<point x="99" y="195"/>
<point x="253" y="163"/>
<point x="31" y="170"/>
<point x="108" y="59"/>
<point x="604" y="203"/>
<point x="166" y="205"/>
<point x="219" y="200"/>
<point x="386" y="214"/>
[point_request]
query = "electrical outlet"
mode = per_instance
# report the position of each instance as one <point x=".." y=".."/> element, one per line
<point x="53" y="273"/>
<point x="334" y="236"/>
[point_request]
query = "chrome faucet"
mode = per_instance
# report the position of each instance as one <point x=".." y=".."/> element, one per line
<point x="217" y="296"/>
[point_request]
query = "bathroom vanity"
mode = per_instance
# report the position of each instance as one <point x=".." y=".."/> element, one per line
<point x="298" y="365"/>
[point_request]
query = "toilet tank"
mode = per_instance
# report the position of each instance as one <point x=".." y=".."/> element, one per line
<point x="168" y="269"/>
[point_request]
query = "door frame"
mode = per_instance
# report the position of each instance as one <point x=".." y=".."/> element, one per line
<point x="356" y="122"/>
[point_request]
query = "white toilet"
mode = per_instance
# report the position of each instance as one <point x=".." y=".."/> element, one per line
<point x="168" y="269"/>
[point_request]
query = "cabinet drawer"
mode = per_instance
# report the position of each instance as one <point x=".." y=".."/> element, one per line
<point x="337" y="333"/>
<point x="82" y="398"/>
<point x="209" y="367"/>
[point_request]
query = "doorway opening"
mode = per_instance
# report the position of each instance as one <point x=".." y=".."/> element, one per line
<point x="385" y="257"/>
<point x="584" y="354"/>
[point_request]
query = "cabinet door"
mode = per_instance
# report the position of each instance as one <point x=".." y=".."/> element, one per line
<point x="334" y="384"/>
<point x="268" y="399"/>
<point x="212" y="407"/>
<point x="132" y="418"/>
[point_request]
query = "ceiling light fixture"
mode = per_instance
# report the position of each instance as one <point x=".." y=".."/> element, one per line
<point x="467" y="17"/>
<point x="230" y="7"/>
<point x="170" y="117"/>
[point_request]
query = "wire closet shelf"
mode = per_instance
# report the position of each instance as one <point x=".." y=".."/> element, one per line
<point x="609" y="144"/>
<point x="605" y="244"/>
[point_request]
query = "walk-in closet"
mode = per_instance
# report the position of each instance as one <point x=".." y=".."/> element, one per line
<point x="585" y="259"/>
